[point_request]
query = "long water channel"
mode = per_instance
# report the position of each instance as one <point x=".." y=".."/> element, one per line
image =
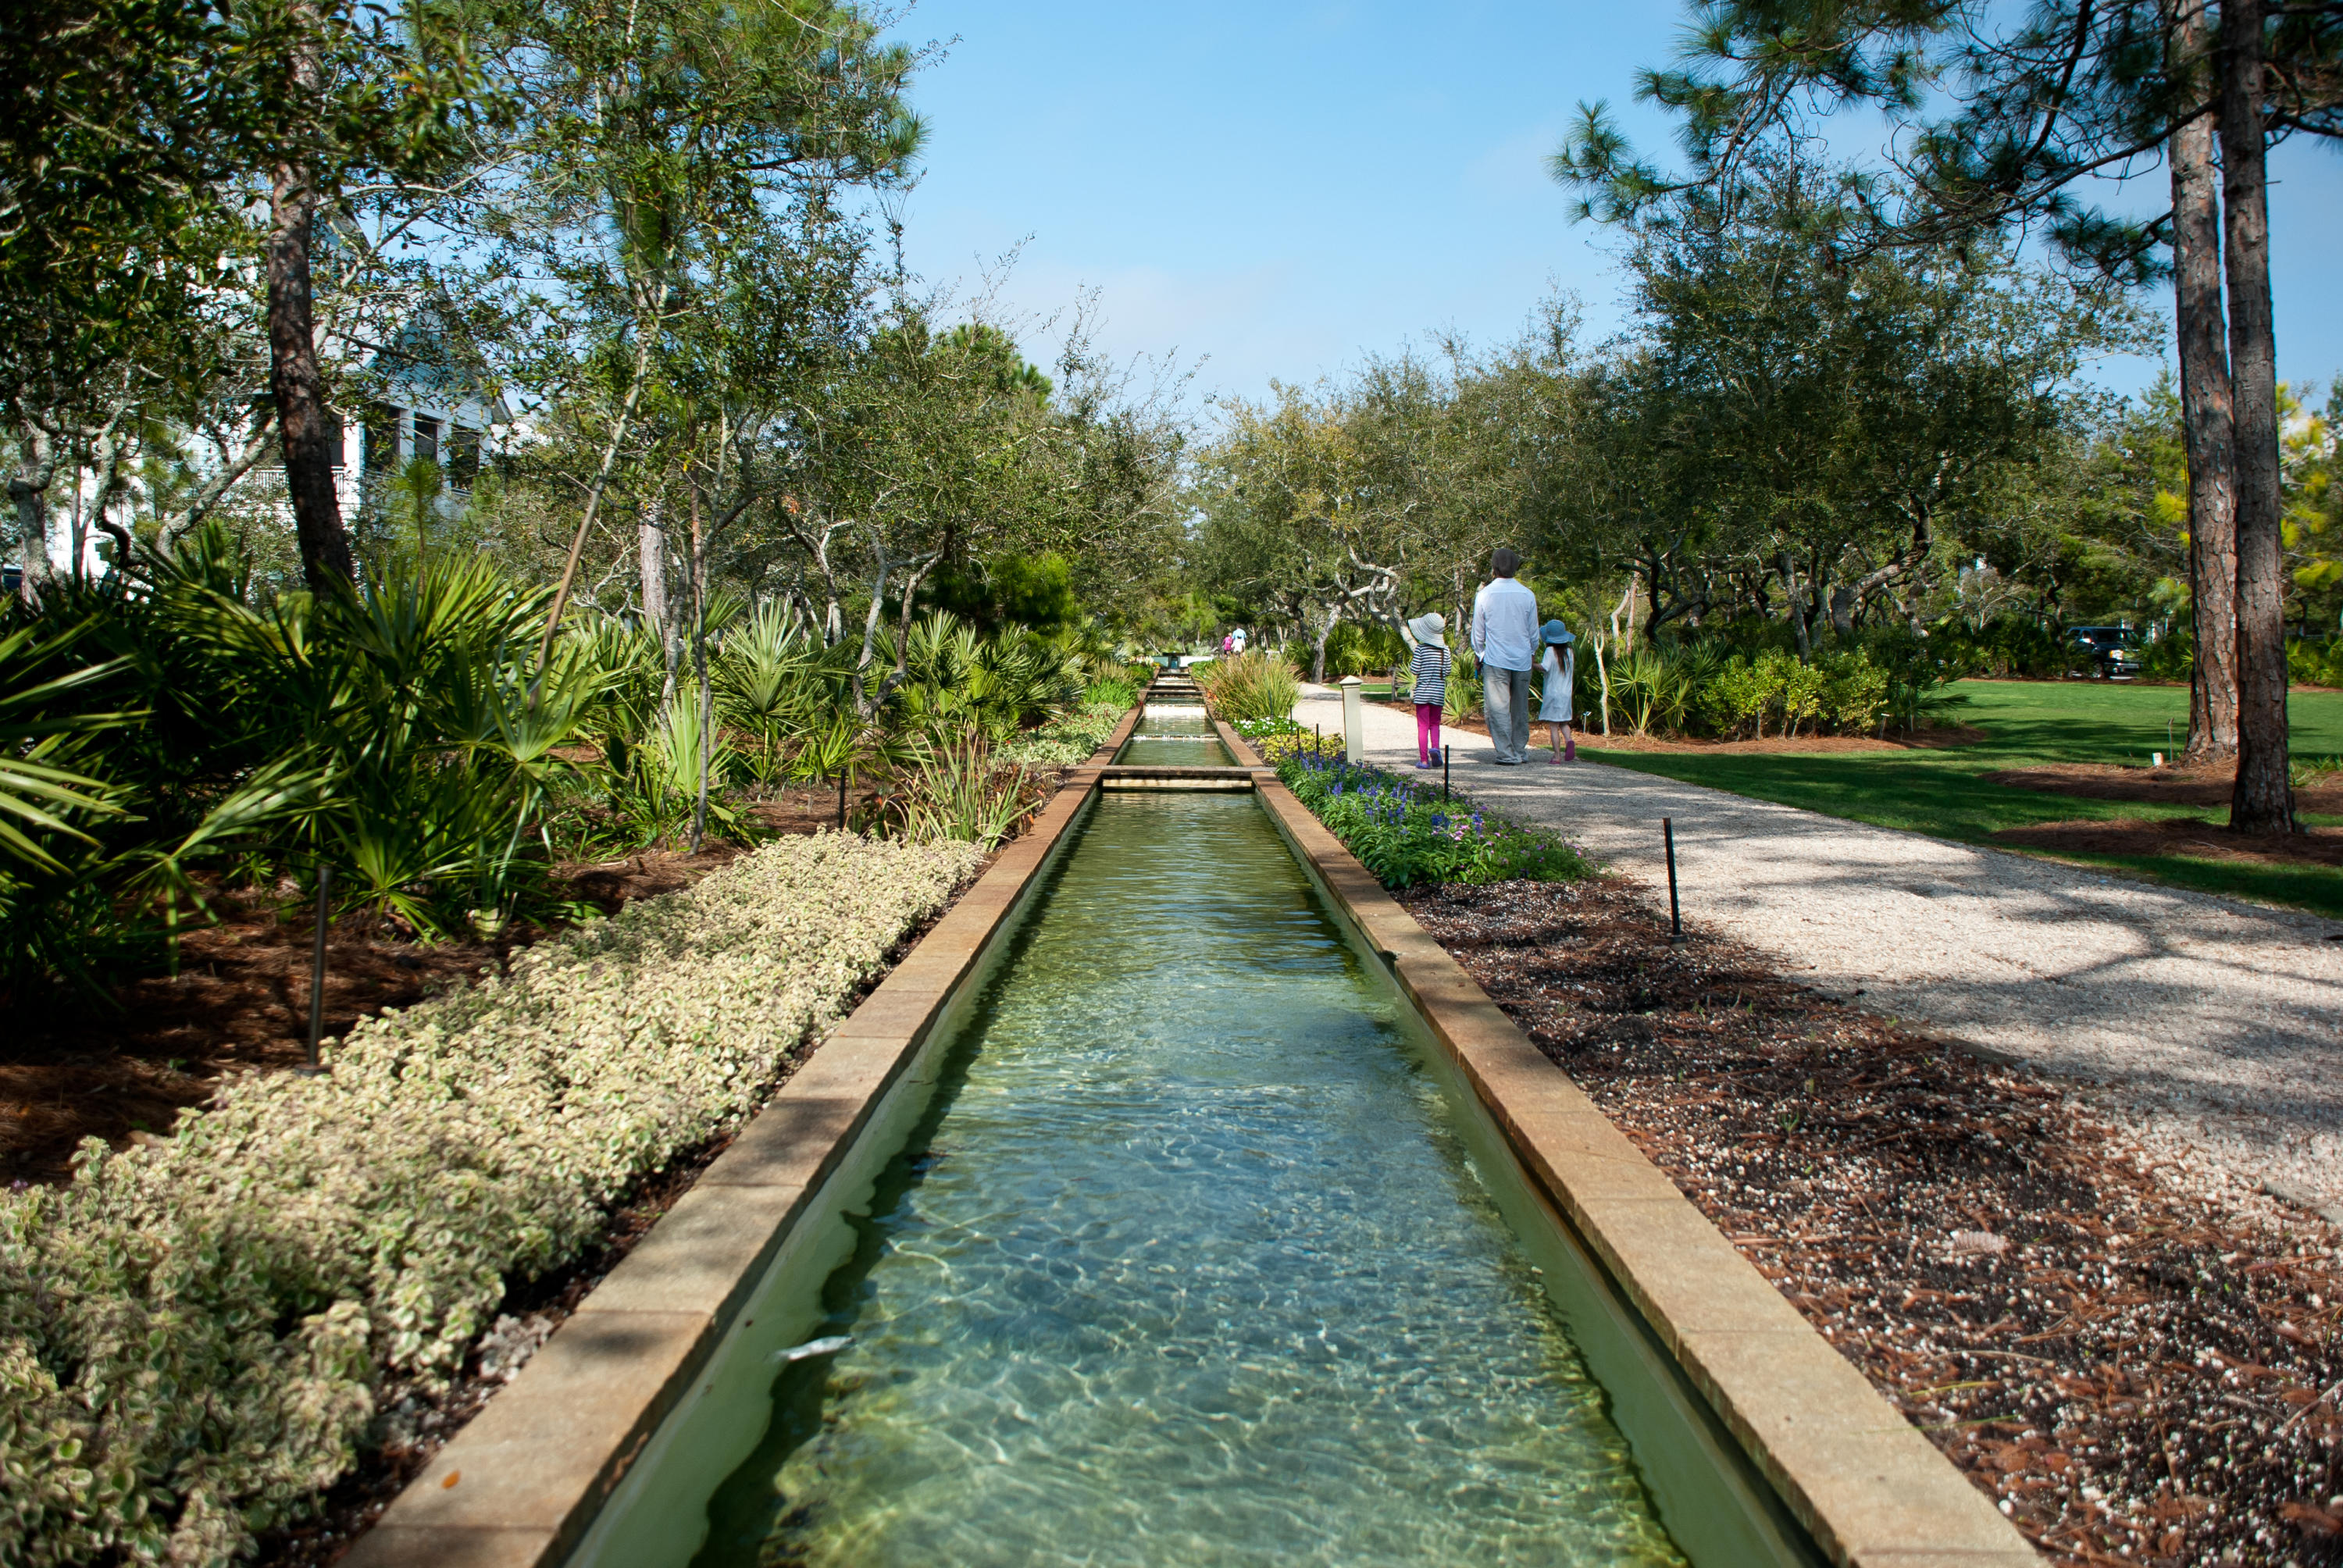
<point x="1190" y="1257"/>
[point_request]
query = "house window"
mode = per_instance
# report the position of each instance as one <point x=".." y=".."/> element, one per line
<point x="463" y="455"/>
<point x="273" y="455"/>
<point x="427" y="439"/>
<point x="382" y="422"/>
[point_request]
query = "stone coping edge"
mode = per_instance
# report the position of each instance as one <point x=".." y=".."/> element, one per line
<point x="1871" y="1490"/>
<point x="519" y="1485"/>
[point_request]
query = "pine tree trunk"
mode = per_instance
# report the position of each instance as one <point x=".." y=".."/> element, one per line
<point x="293" y="376"/>
<point x="2207" y="430"/>
<point x="651" y="539"/>
<point x="28" y="490"/>
<point x="699" y="673"/>
<point x="2263" y="801"/>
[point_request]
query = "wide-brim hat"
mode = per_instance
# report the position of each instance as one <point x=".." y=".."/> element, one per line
<point x="1429" y="627"/>
<point x="1554" y="631"/>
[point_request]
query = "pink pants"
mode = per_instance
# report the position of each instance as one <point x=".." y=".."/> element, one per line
<point x="1427" y="730"/>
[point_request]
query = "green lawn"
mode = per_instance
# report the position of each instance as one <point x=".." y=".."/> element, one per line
<point x="2027" y="723"/>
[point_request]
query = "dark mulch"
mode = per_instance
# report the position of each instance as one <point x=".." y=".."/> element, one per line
<point x="2178" y="836"/>
<point x="122" y="1067"/>
<point x="2139" y="1374"/>
<point x="2192" y="784"/>
<point x="1930" y="740"/>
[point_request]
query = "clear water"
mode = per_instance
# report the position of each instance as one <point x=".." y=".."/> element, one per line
<point x="1186" y="1264"/>
<point x="1174" y="740"/>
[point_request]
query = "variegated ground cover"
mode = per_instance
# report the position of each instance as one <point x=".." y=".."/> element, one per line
<point x="192" y="1333"/>
<point x="1069" y="740"/>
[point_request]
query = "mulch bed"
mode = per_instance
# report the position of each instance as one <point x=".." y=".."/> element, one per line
<point x="2197" y="785"/>
<point x="123" y="1068"/>
<point x="2138" y="1372"/>
<point x="2198" y="841"/>
<point x="2202" y="784"/>
<point x="1919" y="741"/>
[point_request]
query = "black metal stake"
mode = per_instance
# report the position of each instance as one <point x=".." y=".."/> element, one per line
<point x="842" y="798"/>
<point x="317" y="968"/>
<point x="1675" y="915"/>
<point x="1443" y="772"/>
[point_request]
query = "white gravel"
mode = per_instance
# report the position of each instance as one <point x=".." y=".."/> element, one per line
<point x="2212" y="1027"/>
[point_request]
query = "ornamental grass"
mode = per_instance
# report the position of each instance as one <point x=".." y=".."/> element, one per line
<point x="1254" y="684"/>
<point x="192" y="1333"/>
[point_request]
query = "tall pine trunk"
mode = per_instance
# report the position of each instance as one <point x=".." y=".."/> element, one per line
<point x="2207" y="430"/>
<point x="28" y="493"/>
<point x="293" y="376"/>
<point x="650" y="542"/>
<point x="2263" y="800"/>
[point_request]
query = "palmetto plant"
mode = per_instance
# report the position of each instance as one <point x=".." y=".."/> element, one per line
<point x="44" y="717"/>
<point x="954" y="679"/>
<point x="387" y="731"/>
<point x="778" y="686"/>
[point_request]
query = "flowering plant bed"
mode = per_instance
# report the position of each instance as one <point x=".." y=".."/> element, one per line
<point x="193" y="1333"/>
<point x="1406" y="833"/>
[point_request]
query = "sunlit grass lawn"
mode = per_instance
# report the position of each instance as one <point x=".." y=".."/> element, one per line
<point x="2027" y="724"/>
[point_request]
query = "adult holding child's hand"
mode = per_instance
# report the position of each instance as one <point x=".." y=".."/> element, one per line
<point x="1506" y="639"/>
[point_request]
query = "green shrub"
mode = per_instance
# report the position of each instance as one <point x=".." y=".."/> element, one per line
<point x="1854" y="692"/>
<point x="1363" y="648"/>
<point x="2007" y="645"/>
<point x="1466" y="697"/>
<point x="2172" y="657"/>
<point x="1254" y="684"/>
<point x="192" y="1333"/>
<point x="2309" y="663"/>
<point x="1406" y="835"/>
<point x="1114" y="690"/>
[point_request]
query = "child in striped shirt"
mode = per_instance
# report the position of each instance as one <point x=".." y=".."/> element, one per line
<point x="1429" y="668"/>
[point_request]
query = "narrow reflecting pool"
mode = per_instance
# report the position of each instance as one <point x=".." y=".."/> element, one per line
<point x="1186" y="1264"/>
<point x="1174" y="737"/>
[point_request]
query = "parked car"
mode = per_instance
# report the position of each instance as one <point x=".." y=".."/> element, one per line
<point x="2113" y="650"/>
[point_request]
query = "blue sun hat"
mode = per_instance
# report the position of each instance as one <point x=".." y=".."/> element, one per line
<point x="1555" y="632"/>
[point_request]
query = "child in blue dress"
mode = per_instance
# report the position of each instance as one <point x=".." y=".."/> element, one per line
<point x="1560" y="663"/>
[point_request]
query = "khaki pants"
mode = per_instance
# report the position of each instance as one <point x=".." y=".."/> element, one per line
<point x="1507" y="698"/>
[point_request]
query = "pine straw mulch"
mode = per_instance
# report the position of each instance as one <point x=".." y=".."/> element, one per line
<point x="2141" y="1374"/>
<point x="2202" y="784"/>
<point x="2184" y="836"/>
<point x="1934" y="739"/>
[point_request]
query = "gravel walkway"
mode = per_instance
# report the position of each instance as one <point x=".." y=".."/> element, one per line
<point x="2213" y="1027"/>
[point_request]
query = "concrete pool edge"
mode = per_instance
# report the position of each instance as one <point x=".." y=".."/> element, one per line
<point x="1865" y="1484"/>
<point x="519" y="1485"/>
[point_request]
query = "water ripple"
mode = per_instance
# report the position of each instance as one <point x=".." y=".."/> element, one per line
<point x="1186" y="1266"/>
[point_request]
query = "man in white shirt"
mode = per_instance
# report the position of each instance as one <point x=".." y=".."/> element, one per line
<point x="1505" y="640"/>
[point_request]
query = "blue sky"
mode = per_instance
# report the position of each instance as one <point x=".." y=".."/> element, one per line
<point x="1276" y="189"/>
